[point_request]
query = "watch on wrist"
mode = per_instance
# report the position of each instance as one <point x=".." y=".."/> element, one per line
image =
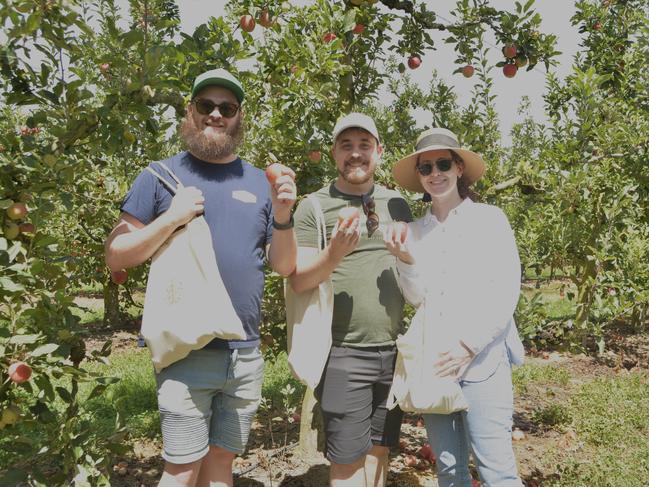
<point x="283" y="226"/>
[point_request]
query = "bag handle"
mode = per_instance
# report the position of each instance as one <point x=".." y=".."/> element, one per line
<point x="320" y="221"/>
<point x="163" y="180"/>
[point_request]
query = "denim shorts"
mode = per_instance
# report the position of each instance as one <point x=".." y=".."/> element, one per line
<point x="353" y="393"/>
<point x="209" y="398"/>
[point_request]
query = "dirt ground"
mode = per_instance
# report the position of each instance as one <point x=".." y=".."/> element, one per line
<point x="275" y="465"/>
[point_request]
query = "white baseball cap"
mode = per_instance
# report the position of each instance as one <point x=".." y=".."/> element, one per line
<point x="356" y="120"/>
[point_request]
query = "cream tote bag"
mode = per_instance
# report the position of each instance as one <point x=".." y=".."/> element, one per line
<point x="308" y="319"/>
<point x="186" y="304"/>
<point x="415" y="387"/>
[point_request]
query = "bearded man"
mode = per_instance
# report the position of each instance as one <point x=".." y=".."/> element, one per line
<point x="208" y="399"/>
<point x="368" y="305"/>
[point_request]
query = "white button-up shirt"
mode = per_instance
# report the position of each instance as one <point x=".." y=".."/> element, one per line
<point x="467" y="275"/>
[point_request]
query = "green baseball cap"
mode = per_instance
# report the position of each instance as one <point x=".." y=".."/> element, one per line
<point x="218" y="77"/>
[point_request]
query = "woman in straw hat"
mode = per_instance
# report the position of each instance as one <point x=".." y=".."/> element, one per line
<point x="460" y="262"/>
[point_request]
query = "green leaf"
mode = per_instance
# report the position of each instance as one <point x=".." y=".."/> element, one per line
<point x="44" y="349"/>
<point x="13" y="478"/>
<point x="24" y="339"/>
<point x="8" y="285"/>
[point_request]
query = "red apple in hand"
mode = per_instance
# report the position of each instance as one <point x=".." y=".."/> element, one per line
<point x="247" y="23"/>
<point x="509" y="70"/>
<point x="347" y="214"/>
<point x="276" y="170"/>
<point x="119" y="277"/>
<point x="19" y="372"/>
<point x="17" y="211"/>
<point x="414" y="62"/>
<point x="401" y="230"/>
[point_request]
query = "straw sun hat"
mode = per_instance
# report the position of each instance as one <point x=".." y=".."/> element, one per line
<point x="404" y="170"/>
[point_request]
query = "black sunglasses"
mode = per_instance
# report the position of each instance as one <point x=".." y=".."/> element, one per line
<point x="205" y="107"/>
<point x="372" y="222"/>
<point x="426" y="168"/>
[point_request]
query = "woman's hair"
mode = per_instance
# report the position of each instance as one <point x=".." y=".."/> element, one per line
<point x="462" y="186"/>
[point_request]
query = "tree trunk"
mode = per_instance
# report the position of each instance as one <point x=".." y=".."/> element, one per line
<point x="112" y="315"/>
<point x="585" y="293"/>
<point x="310" y="428"/>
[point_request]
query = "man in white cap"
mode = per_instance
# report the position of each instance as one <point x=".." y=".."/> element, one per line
<point x="368" y="305"/>
<point x="208" y="399"/>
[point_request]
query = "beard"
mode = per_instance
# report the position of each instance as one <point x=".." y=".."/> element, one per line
<point x="357" y="174"/>
<point x="212" y="146"/>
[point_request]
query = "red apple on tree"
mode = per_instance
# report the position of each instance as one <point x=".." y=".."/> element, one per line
<point x="426" y="452"/>
<point x="414" y="62"/>
<point x="509" y="70"/>
<point x="17" y="211"/>
<point x="597" y="25"/>
<point x="510" y="51"/>
<point x="19" y="372"/>
<point x="104" y="67"/>
<point x="410" y="461"/>
<point x="119" y="277"/>
<point x="247" y="23"/>
<point x="329" y="37"/>
<point x="358" y="29"/>
<point x="265" y="19"/>
<point x="468" y="70"/>
<point x="27" y="227"/>
<point x="315" y="155"/>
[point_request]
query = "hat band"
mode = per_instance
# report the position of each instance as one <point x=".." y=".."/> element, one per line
<point x="437" y="139"/>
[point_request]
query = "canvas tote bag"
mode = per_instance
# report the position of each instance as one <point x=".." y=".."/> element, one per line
<point x="186" y="304"/>
<point x="415" y="387"/>
<point x="308" y="319"/>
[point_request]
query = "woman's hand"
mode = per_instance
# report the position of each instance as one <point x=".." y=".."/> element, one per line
<point x="453" y="362"/>
<point x="395" y="237"/>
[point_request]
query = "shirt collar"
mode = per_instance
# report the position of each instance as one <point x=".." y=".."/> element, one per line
<point x="429" y="218"/>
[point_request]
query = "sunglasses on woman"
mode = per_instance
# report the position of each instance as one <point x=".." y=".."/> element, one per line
<point x="205" y="107"/>
<point x="426" y="168"/>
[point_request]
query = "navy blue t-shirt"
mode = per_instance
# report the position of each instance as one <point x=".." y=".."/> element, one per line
<point x="238" y="211"/>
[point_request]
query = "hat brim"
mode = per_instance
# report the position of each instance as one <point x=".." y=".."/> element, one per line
<point x="224" y="83"/>
<point x="406" y="175"/>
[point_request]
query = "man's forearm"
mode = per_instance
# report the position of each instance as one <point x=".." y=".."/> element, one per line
<point x="283" y="252"/>
<point x="309" y="275"/>
<point x="125" y="249"/>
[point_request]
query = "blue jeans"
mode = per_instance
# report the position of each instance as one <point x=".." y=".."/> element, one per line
<point x="486" y="428"/>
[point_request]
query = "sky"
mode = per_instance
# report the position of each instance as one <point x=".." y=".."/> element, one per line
<point x="556" y="16"/>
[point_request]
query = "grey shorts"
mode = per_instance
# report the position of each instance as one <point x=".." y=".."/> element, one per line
<point x="352" y="393"/>
<point x="209" y="398"/>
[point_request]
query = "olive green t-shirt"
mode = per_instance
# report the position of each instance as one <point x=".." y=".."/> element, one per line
<point x="368" y="304"/>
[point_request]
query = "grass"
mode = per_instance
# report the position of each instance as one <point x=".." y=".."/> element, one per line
<point x="611" y="418"/>
<point x="539" y="374"/>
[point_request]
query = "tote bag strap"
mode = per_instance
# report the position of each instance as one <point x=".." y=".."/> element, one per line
<point x="320" y="221"/>
<point x="163" y="180"/>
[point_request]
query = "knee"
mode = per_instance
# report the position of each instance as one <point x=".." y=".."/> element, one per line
<point x="346" y="470"/>
<point x="180" y="474"/>
<point x="379" y="452"/>
<point x="219" y="456"/>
